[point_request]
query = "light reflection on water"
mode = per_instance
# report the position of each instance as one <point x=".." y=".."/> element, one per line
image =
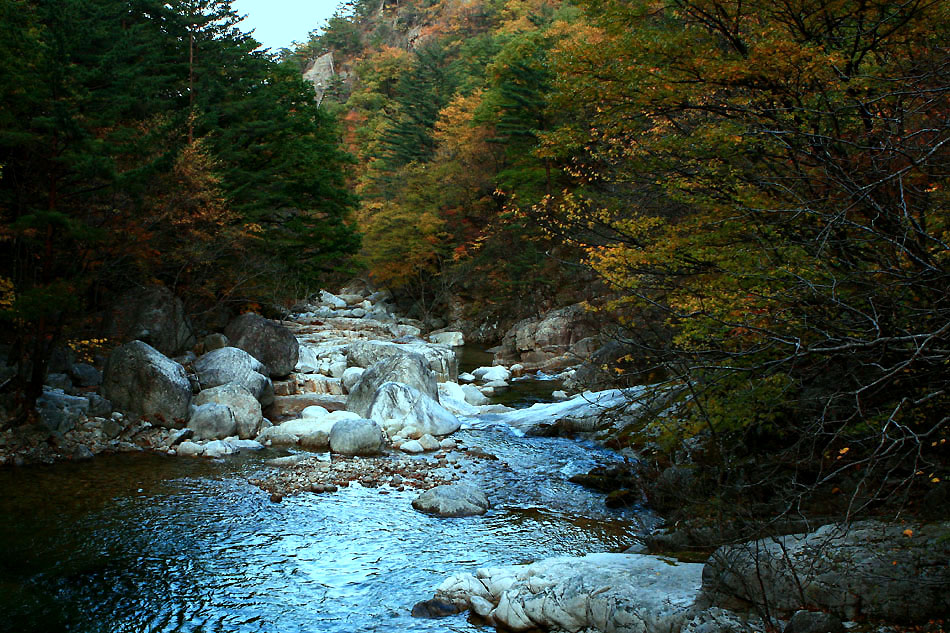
<point x="145" y="543"/>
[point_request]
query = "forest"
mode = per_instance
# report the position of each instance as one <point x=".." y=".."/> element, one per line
<point x="750" y="196"/>
<point x="747" y="200"/>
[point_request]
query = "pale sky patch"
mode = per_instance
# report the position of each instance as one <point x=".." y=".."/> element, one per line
<point x="278" y="23"/>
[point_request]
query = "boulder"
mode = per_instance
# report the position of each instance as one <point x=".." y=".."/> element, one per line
<point x="440" y="358"/>
<point x="813" y="622"/>
<point x="331" y="300"/>
<point x="490" y="374"/>
<point x="153" y="315"/>
<point x="84" y="375"/>
<point x="473" y="396"/>
<point x="218" y="448"/>
<point x="59" y="411"/>
<point x="452" y="500"/>
<point x="356" y="437"/>
<point x="429" y="443"/>
<point x="412" y="447"/>
<point x="243" y="404"/>
<point x="314" y="411"/>
<point x="277" y="436"/>
<point x="398" y="406"/>
<point x="230" y="364"/>
<point x="307" y="360"/>
<point x="351" y="376"/>
<point x="140" y="379"/>
<point x="893" y="572"/>
<point x="212" y="421"/>
<point x="452" y="339"/>
<point x="267" y="341"/>
<point x="406" y="369"/>
<point x="213" y="341"/>
<point x="190" y="449"/>
<point x="452" y="397"/>
<point x="598" y="592"/>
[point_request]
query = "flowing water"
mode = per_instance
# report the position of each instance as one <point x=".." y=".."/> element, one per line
<point x="152" y="543"/>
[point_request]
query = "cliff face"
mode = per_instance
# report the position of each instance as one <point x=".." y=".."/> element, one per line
<point x="320" y="72"/>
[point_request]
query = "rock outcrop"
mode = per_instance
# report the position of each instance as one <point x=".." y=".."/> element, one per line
<point x="869" y="569"/>
<point x="633" y="593"/>
<point x="559" y="339"/>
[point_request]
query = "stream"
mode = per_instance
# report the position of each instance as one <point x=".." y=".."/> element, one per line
<point x="153" y="543"/>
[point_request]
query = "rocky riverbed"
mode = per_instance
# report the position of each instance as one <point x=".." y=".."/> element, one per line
<point x="345" y="398"/>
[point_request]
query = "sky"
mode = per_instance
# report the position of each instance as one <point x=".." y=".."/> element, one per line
<point x="277" y="23"/>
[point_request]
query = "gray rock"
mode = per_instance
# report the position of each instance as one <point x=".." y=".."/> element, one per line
<point x="440" y="358"/>
<point x="452" y="500"/>
<point x="556" y="340"/>
<point x="716" y="620"/>
<point x="315" y="441"/>
<point x="814" y="622"/>
<point x="307" y="360"/>
<point x="213" y="341"/>
<point x="397" y="406"/>
<point x="59" y="411"/>
<point x="230" y="364"/>
<point x="406" y="369"/>
<point x="631" y="593"/>
<point x="85" y="375"/>
<point x="180" y="436"/>
<point x="429" y="443"/>
<point x="155" y="316"/>
<point x="243" y="404"/>
<point x="98" y="406"/>
<point x="356" y="437"/>
<point x="140" y="379"/>
<point x="351" y="376"/>
<point x="276" y="436"/>
<point x="212" y="421"/>
<point x="267" y="341"/>
<point x="868" y="569"/>
<point x="412" y="447"/>
<point x="473" y="396"/>
<point x="59" y="381"/>
<point x="218" y="448"/>
<point x="190" y="449"/>
<point x="452" y="339"/>
<point x="244" y="445"/>
<point x="331" y="300"/>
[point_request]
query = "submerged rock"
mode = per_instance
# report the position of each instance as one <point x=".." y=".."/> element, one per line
<point x="452" y="500"/>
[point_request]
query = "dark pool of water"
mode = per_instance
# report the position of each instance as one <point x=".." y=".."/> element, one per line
<point x="149" y="543"/>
